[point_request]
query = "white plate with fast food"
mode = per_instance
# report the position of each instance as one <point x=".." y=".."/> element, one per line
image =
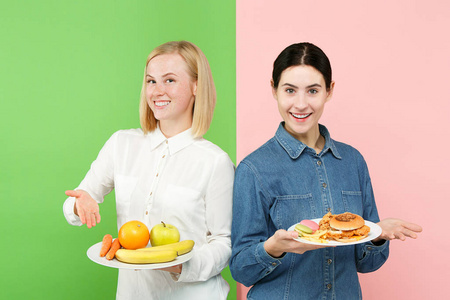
<point x="374" y="232"/>
<point x="94" y="254"/>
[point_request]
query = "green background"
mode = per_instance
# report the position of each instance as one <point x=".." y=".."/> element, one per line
<point x="71" y="73"/>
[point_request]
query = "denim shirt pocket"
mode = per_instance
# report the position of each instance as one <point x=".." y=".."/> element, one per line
<point x="353" y="202"/>
<point x="290" y="209"/>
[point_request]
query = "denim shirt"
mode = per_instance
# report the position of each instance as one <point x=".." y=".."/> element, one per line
<point x="282" y="183"/>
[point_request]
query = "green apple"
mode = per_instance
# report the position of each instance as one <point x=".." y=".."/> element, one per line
<point x="163" y="234"/>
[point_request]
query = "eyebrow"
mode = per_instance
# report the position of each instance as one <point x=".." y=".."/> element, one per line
<point x="313" y="85"/>
<point x="291" y="85"/>
<point x="165" y="75"/>
<point x="296" y="87"/>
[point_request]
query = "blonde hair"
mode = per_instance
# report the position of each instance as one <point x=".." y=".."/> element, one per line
<point x="205" y="98"/>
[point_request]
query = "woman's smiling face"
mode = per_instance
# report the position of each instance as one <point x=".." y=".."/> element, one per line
<point x="170" y="92"/>
<point x="301" y="97"/>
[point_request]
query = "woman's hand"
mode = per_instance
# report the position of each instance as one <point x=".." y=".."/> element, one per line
<point x="397" y="229"/>
<point x="283" y="241"/>
<point x="85" y="207"/>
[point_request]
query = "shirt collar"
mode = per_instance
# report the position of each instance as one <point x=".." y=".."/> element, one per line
<point x="294" y="147"/>
<point x="175" y="143"/>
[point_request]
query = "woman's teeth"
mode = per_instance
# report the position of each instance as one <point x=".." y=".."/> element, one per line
<point x="300" y="116"/>
<point x="162" y="103"/>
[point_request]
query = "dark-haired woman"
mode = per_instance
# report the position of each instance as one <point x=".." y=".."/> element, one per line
<point x="301" y="173"/>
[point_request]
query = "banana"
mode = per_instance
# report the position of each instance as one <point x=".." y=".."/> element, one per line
<point x="181" y="248"/>
<point x="145" y="257"/>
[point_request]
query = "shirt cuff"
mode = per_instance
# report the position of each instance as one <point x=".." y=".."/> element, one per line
<point x="265" y="259"/>
<point x="371" y="247"/>
<point x="70" y="215"/>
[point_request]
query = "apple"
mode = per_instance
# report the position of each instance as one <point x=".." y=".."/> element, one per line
<point x="163" y="234"/>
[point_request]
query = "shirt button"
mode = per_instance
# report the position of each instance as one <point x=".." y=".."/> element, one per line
<point x="329" y="261"/>
<point x="151" y="193"/>
<point x="324" y="185"/>
<point x="319" y="162"/>
<point x="329" y="286"/>
<point x="146" y="212"/>
<point x="274" y="264"/>
<point x="369" y="248"/>
<point x="167" y="141"/>
<point x="157" y="174"/>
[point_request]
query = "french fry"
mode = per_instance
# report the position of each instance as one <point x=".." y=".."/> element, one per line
<point x="316" y="233"/>
<point x="316" y="240"/>
<point x="319" y="236"/>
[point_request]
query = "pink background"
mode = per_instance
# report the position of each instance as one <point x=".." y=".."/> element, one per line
<point x="391" y="64"/>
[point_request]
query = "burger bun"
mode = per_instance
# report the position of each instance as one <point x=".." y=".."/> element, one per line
<point x="346" y="221"/>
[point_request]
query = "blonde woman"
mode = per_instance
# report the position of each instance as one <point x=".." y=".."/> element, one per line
<point x="167" y="171"/>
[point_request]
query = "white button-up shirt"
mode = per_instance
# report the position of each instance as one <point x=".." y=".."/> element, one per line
<point x="183" y="181"/>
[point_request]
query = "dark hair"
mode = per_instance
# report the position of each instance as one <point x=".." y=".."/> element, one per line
<point x="302" y="54"/>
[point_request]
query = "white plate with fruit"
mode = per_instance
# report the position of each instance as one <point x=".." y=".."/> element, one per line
<point x="94" y="250"/>
<point x="132" y="250"/>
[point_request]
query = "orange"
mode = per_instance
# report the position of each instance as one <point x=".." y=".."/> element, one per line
<point x="134" y="235"/>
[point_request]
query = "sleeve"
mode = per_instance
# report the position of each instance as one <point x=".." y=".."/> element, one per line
<point x="370" y="257"/>
<point x="211" y="258"/>
<point x="98" y="182"/>
<point x="249" y="260"/>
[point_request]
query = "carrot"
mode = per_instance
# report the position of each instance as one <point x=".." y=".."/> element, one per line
<point x="114" y="247"/>
<point x="106" y="244"/>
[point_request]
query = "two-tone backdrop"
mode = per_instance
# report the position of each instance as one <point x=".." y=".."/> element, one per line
<point x="71" y="73"/>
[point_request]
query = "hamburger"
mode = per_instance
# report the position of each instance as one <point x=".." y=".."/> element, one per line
<point x="347" y="227"/>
